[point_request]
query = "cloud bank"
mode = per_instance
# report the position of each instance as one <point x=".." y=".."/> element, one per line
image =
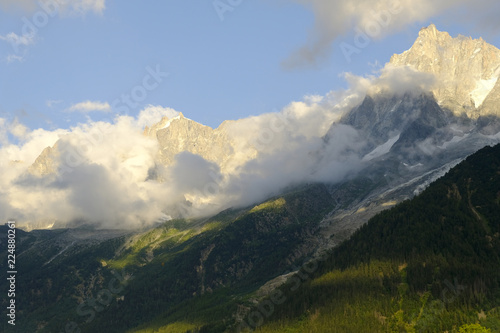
<point x="107" y="173"/>
<point x="103" y="169"/>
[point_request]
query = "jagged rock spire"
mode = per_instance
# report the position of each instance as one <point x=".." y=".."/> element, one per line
<point x="466" y="69"/>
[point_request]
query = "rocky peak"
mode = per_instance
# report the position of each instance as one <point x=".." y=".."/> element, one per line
<point x="162" y="124"/>
<point x="181" y="134"/>
<point x="432" y="35"/>
<point x="466" y="69"/>
<point x="383" y="117"/>
<point x="46" y="163"/>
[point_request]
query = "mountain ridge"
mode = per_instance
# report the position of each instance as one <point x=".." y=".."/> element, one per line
<point x="396" y="137"/>
<point x="466" y="69"/>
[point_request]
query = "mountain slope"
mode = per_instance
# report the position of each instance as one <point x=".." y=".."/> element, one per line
<point x="402" y="129"/>
<point x="228" y="256"/>
<point x="203" y="274"/>
<point x="410" y="138"/>
<point x="394" y="273"/>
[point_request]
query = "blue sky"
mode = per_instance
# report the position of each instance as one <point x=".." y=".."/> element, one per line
<point x="99" y="51"/>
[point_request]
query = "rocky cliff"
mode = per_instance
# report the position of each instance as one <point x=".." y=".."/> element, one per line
<point x="182" y="134"/>
<point x="466" y="69"/>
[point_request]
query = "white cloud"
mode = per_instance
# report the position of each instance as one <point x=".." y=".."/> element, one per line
<point x="103" y="168"/>
<point x="83" y="6"/>
<point x="45" y="9"/>
<point x="50" y="103"/>
<point x="106" y="170"/>
<point x="62" y="6"/>
<point x="18" y="130"/>
<point x="90" y="106"/>
<point x="12" y="58"/>
<point x="152" y="114"/>
<point x="3" y="132"/>
<point x="379" y="18"/>
<point x="13" y="38"/>
<point x="19" y="45"/>
<point x="102" y="172"/>
<point x="392" y="79"/>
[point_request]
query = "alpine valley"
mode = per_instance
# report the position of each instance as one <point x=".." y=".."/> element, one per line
<point x="379" y="212"/>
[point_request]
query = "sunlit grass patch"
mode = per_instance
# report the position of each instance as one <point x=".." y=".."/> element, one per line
<point x="269" y="205"/>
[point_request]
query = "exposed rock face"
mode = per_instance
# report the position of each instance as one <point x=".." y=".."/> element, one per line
<point x="163" y="123"/>
<point x="46" y="163"/>
<point x="382" y="117"/>
<point x="182" y="134"/>
<point x="467" y="69"/>
<point x="491" y="105"/>
<point x="174" y="135"/>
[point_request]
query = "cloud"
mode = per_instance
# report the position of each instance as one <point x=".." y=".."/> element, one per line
<point x="3" y="132"/>
<point x="392" y="79"/>
<point x="107" y="173"/>
<point x="102" y="174"/>
<point x="83" y="6"/>
<point x="50" y="103"/>
<point x="19" y="45"/>
<point x="12" y="58"/>
<point x="13" y="38"/>
<point x="14" y="128"/>
<point x="379" y="18"/>
<point x="61" y="6"/>
<point x="27" y="5"/>
<point x="90" y="106"/>
<point x="18" y="130"/>
<point x="44" y="9"/>
<point x="151" y="114"/>
<point x="104" y="169"/>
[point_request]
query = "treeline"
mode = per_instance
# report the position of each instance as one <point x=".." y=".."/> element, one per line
<point x="429" y="264"/>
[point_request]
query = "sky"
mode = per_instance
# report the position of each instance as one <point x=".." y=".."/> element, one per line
<point x="218" y="59"/>
<point x="91" y="74"/>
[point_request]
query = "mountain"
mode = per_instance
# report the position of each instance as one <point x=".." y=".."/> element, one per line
<point x="466" y="70"/>
<point x="411" y="138"/>
<point x="222" y="259"/>
<point x="405" y="139"/>
<point x="410" y="118"/>
<point x="430" y="264"/>
<point x="404" y="136"/>
<point x="208" y="273"/>
<point x="46" y="163"/>
<point x="181" y="134"/>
